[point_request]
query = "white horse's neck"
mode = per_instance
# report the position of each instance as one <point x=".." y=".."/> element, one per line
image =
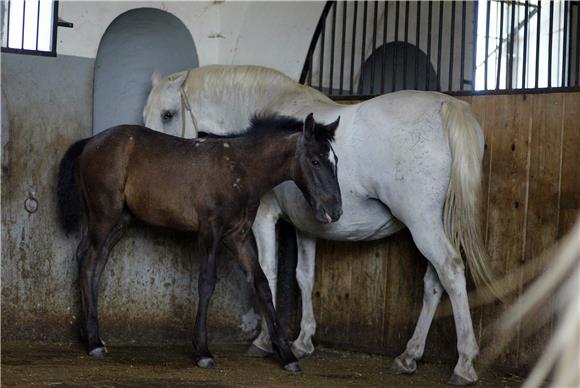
<point x="224" y="98"/>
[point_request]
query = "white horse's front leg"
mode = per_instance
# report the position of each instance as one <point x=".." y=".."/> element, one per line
<point x="432" y="291"/>
<point x="264" y="229"/>
<point x="305" y="276"/>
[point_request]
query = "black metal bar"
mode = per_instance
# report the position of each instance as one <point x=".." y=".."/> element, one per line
<point x="500" y="40"/>
<point x="344" y="9"/>
<point x="439" y="38"/>
<point x="353" y="48"/>
<point x="333" y="38"/>
<point x="8" y="27"/>
<point x="451" y="47"/>
<point x="23" y="23"/>
<point x="321" y="61"/>
<point x="577" y="80"/>
<point x="394" y="80"/>
<point x="549" y="56"/>
<point x="37" y="21"/>
<point x="570" y="24"/>
<point x="538" y="36"/>
<point x="376" y="9"/>
<point x="364" y="43"/>
<point x="428" y="62"/>
<point x="307" y="64"/>
<point x="417" y="43"/>
<point x="525" y="58"/>
<point x="564" y="43"/>
<point x="384" y="51"/>
<point x="28" y="52"/>
<point x="475" y="44"/>
<point x="511" y="45"/>
<point x="488" y="11"/>
<point x="462" y="71"/>
<point x="405" y="46"/>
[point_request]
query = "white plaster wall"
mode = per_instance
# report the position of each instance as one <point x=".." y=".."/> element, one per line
<point x="274" y="34"/>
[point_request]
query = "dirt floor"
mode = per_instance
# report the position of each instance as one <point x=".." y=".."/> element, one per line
<point x="33" y="364"/>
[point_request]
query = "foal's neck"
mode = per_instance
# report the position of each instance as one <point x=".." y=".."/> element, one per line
<point x="271" y="160"/>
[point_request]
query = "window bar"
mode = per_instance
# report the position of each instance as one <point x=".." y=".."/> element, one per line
<point x="439" y="45"/>
<point x="332" y="43"/>
<point x="500" y="46"/>
<point x="564" y="43"/>
<point x="462" y="71"/>
<point x="570" y="24"/>
<point x="577" y="80"/>
<point x="363" y="46"/>
<point x="37" y="22"/>
<point x="322" y="38"/>
<point x="310" y="69"/>
<point x="384" y="53"/>
<point x="451" y="47"/>
<point x="488" y="11"/>
<point x="23" y="23"/>
<point x="54" y="26"/>
<point x="376" y="9"/>
<point x="474" y="51"/>
<point x="394" y="83"/>
<point x="342" y="48"/>
<point x="551" y="26"/>
<point x="428" y="62"/>
<point x="538" y="35"/>
<point x="8" y="26"/>
<point x="525" y="58"/>
<point x="405" y="46"/>
<point x="510" y="68"/>
<point x="417" y="43"/>
<point x="353" y="48"/>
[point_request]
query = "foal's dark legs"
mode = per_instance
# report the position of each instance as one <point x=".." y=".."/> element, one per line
<point x="244" y="247"/>
<point x="206" y="286"/>
<point x="92" y="255"/>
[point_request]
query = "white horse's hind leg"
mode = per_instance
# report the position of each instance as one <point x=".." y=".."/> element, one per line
<point x="305" y="277"/>
<point x="435" y="246"/>
<point x="264" y="229"/>
<point x="406" y="362"/>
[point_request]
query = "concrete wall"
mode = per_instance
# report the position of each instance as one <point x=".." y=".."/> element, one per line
<point x="148" y="291"/>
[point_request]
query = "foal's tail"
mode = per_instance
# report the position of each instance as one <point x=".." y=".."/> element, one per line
<point x="68" y="193"/>
<point x="461" y="214"/>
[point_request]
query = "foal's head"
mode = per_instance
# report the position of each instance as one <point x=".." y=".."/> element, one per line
<point x="316" y="170"/>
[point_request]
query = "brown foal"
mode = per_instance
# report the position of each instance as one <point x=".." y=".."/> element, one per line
<point x="209" y="186"/>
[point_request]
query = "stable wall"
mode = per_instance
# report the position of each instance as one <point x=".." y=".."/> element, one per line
<point x="368" y="295"/>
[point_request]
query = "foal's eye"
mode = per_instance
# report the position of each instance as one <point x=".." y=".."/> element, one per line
<point x="167" y="115"/>
<point x="316" y="163"/>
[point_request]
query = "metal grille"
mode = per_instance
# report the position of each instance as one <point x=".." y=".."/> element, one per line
<point x="363" y="49"/>
<point x="29" y="27"/>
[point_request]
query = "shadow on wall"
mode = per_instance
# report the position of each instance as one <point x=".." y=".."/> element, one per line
<point x="135" y="44"/>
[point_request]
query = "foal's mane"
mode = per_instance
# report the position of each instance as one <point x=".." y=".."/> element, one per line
<point x="267" y="124"/>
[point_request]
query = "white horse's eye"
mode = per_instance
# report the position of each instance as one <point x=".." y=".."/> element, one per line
<point x="167" y="115"/>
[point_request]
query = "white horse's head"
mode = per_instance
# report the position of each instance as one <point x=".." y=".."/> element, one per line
<point x="163" y="110"/>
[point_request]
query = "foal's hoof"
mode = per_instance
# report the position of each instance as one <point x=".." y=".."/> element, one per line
<point x="293" y="367"/>
<point x="254" y="351"/>
<point x="205" y="363"/>
<point x="460" y="381"/>
<point x="404" y="365"/>
<point x="98" y="352"/>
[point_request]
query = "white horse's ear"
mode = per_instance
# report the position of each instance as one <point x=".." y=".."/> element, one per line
<point x="155" y="78"/>
<point x="177" y="80"/>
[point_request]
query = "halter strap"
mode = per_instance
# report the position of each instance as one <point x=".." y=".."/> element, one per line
<point x="186" y="106"/>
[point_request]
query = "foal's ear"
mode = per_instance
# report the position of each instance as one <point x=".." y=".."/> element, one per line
<point x="155" y="78"/>
<point x="331" y="128"/>
<point x="308" y="131"/>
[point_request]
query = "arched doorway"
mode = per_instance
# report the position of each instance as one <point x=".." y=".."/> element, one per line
<point x="135" y="44"/>
<point x="394" y="54"/>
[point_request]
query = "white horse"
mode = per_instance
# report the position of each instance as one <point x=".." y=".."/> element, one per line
<point x="406" y="159"/>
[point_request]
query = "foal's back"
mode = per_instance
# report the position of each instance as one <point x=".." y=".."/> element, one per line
<point x="158" y="177"/>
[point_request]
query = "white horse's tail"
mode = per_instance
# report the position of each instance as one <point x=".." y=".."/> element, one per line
<point x="461" y="214"/>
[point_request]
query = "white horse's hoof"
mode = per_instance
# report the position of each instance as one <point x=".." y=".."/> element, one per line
<point x="254" y="351"/>
<point x="293" y="367"/>
<point x="98" y="352"/>
<point x="460" y="381"/>
<point x="404" y="365"/>
<point x="205" y="363"/>
<point x="300" y="352"/>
